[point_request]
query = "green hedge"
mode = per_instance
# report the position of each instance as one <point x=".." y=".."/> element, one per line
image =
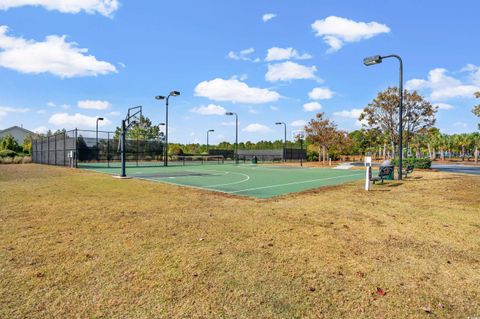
<point x="7" y="153"/>
<point x="416" y="162"/>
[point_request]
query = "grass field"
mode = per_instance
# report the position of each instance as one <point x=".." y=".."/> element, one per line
<point x="261" y="181"/>
<point x="79" y="244"/>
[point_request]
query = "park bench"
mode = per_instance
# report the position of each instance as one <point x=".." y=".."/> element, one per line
<point x="409" y="170"/>
<point x="382" y="174"/>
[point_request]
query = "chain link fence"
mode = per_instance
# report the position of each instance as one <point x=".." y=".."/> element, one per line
<point x="88" y="148"/>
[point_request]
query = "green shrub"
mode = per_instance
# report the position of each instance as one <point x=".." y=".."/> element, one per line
<point x="425" y="163"/>
<point x="27" y="144"/>
<point x="6" y="160"/>
<point x="312" y="156"/>
<point x="7" y="153"/>
<point x="18" y="160"/>
<point x="9" y="143"/>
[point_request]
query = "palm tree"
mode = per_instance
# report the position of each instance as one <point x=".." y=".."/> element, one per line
<point x="442" y="143"/>
<point x="449" y="145"/>
<point x="417" y="142"/>
<point x="475" y="141"/>
<point x="463" y="141"/>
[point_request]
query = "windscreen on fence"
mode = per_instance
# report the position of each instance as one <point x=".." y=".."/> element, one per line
<point x="275" y="155"/>
<point x="85" y="148"/>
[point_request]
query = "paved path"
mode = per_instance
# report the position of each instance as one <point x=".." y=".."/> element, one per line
<point x="454" y="168"/>
<point x="451" y="168"/>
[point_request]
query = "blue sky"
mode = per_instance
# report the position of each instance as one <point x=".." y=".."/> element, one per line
<point x="62" y="63"/>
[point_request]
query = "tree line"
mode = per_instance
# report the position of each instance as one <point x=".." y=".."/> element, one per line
<point x="379" y="134"/>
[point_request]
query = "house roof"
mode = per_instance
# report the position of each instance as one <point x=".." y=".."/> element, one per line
<point x="17" y="127"/>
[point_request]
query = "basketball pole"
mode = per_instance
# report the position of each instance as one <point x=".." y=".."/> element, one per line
<point x="122" y="149"/>
<point x="301" y="152"/>
<point x="133" y="112"/>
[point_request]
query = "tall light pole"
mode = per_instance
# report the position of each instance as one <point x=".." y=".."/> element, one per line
<point x="163" y="140"/>
<point x="284" y="140"/>
<point x="236" y="134"/>
<point x="96" y="134"/>
<point x="161" y="97"/>
<point x="376" y="60"/>
<point x="208" y="132"/>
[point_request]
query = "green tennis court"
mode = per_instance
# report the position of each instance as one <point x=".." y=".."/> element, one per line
<point x="261" y="181"/>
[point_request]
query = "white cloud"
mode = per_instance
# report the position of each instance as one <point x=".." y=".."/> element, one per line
<point x="232" y="123"/>
<point x="54" y="55"/>
<point x="460" y="124"/>
<point x="268" y="16"/>
<point x="40" y="130"/>
<point x="337" y="30"/>
<point x="273" y="108"/>
<point x="104" y="7"/>
<point x="353" y="113"/>
<point x="10" y="109"/>
<point x="474" y="73"/>
<point x="444" y="106"/>
<point x="240" y="77"/>
<point x="287" y="71"/>
<point x="257" y="128"/>
<point x="93" y="104"/>
<point x="234" y="91"/>
<point x="442" y="86"/>
<point x="114" y="113"/>
<point x="51" y="104"/>
<point x="298" y="123"/>
<point x="278" y="54"/>
<point x="210" y="109"/>
<point x="251" y="110"/>
<point x="312" y="106"/>
<point x="243" y="55"/>
<point x="41" y="112"/>
<point x="4" y="110"/>
<point x="320" y="94"/>
<point x="65" y="106"/>
<point x="76" y="120"/>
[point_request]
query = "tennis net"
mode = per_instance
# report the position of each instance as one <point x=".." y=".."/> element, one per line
<point x="197" y="159"/>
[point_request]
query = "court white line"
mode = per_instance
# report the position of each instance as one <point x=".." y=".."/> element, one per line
<point x="285" y="168"/>
<point x="181" y="185"/>
<point x="189" y="176"/>
<point x="294" y="183"/>
<point x="233" y="183"/>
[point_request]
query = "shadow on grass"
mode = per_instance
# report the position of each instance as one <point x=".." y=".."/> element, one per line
<point x="394" y="185"/>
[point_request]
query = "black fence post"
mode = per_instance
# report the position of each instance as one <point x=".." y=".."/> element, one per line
<point x="108" y="149"/>
<point x="137" y="151"/>
<point x="64" y="148"/>
<point x="48" y="150"/>
<point x="76" y="148"/>
<point x="55" y="157"/>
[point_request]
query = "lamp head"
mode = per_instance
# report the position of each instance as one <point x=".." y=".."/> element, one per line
<point x="161" y="124"/>
<point x="160" y="97"/>
<point x="278" y="123"/>
<point x="211" y="130"/>
<point x="229" y="113"/>
<point x="376" y="59"/>
<point x="174" y="93"/>
<point x="99" y="118"/>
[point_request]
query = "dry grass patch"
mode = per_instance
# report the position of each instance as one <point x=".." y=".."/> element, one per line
<point x="80" y="244"/>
